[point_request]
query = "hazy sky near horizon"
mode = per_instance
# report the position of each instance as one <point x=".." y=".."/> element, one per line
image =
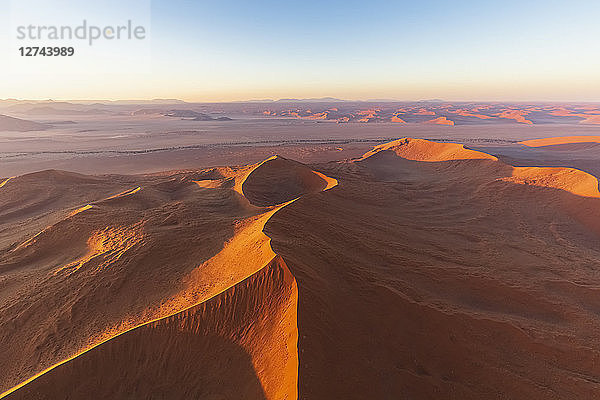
<point x="236" y="50"/>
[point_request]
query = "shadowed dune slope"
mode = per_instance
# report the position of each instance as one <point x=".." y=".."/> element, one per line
<point x="443" y="281"/>
<point x="278" y="180"/>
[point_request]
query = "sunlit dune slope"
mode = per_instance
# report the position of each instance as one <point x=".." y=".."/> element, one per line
<point x="239" y="344"/>
<point x="567" y="179"/>
<point x="553" y="141"/>
<point x="440" y="121"/>
<point x="88" y="273"/>
<point x="423" y="150"/>
<point x="390" y="161"/>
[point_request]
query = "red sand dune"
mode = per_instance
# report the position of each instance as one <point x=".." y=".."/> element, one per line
<point x="440" y="121"/>
<point x="424" y="111"/>
<point x="553" y="141"/>
<point x="424" y="150"/>
<point x="465" y="113"/>
<point x="589" y="117"/>
<point x="420" y="270"/>
<point x="517" y="115"/>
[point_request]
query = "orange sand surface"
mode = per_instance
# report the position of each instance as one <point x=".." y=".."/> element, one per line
<point x="517" y="115"/>
<point x="420" y="270"/>
<point x="561" y="140"/>
<point x="440" y="121"/>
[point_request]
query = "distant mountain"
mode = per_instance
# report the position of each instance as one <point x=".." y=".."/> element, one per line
<point x="313" y="100"/>
<point x="48" y="110"/>
<point x="432" y="101"/>
<point x="134" y="102"/>
<point x="184" y="114"/>
<point x="20" y="125"/>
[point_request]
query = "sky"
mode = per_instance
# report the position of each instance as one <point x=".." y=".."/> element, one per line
<point x="239" y="50"/>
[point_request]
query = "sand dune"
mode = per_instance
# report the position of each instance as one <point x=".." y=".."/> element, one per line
<point x="420" y="270"/>
<point x="216" y="348"/>
<point x="567" y="179"/>
<point x="442" y="281"/>
<point x="440" y="121"/>
<point x="517" y="115"/>
<point x="423" y="150"/>
<point x="265" y="347"/>
<point x="20" y="125"/>
<point x="279" y="180"/>
<point x="554" y="141"/>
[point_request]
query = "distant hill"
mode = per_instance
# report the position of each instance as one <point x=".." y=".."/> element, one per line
<point x="47" y="110"/>
<point x="194" y="115"/>
<point x="314" y="100"/>
<point x="20" y="125"/>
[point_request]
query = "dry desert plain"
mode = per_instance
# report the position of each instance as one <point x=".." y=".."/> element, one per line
<point x="355" y="264"/>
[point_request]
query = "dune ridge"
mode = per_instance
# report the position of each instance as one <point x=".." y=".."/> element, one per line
<point x="272" y="273"/>
<point x="4" y="182"/>
<point x="568" y="179"/>
<point x="571" y="180"/>
<point x="424" y="150"/>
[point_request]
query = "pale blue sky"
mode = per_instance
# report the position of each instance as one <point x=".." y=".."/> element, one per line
<point x="457" y="50"/>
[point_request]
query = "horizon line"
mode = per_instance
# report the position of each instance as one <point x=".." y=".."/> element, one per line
<point x="283" y="100"/>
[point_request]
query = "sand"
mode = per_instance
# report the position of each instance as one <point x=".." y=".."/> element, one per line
<point x="554" y="141"/>
<point x="418" y="270"/>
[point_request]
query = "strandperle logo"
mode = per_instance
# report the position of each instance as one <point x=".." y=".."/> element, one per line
<point x="84" y="32"/>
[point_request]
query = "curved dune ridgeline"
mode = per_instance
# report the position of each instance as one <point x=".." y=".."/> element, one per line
<point x="239" y="306"/>
<point x="278" y="180"/>
<point x="423" y="150"/>
<point x="429" y="271"/>
<point x="238" y="344"/>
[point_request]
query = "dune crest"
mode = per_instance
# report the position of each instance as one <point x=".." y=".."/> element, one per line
<point x="279" y="180"/>
<point x="125" y="193"/>
<point x="440" y="121"/>
<point x="4" y="182"/>
<point x="424" y="150"/>
<point x="81" y="209"/>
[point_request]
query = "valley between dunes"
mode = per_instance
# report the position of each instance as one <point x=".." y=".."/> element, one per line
<point x="421" y="270"/>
